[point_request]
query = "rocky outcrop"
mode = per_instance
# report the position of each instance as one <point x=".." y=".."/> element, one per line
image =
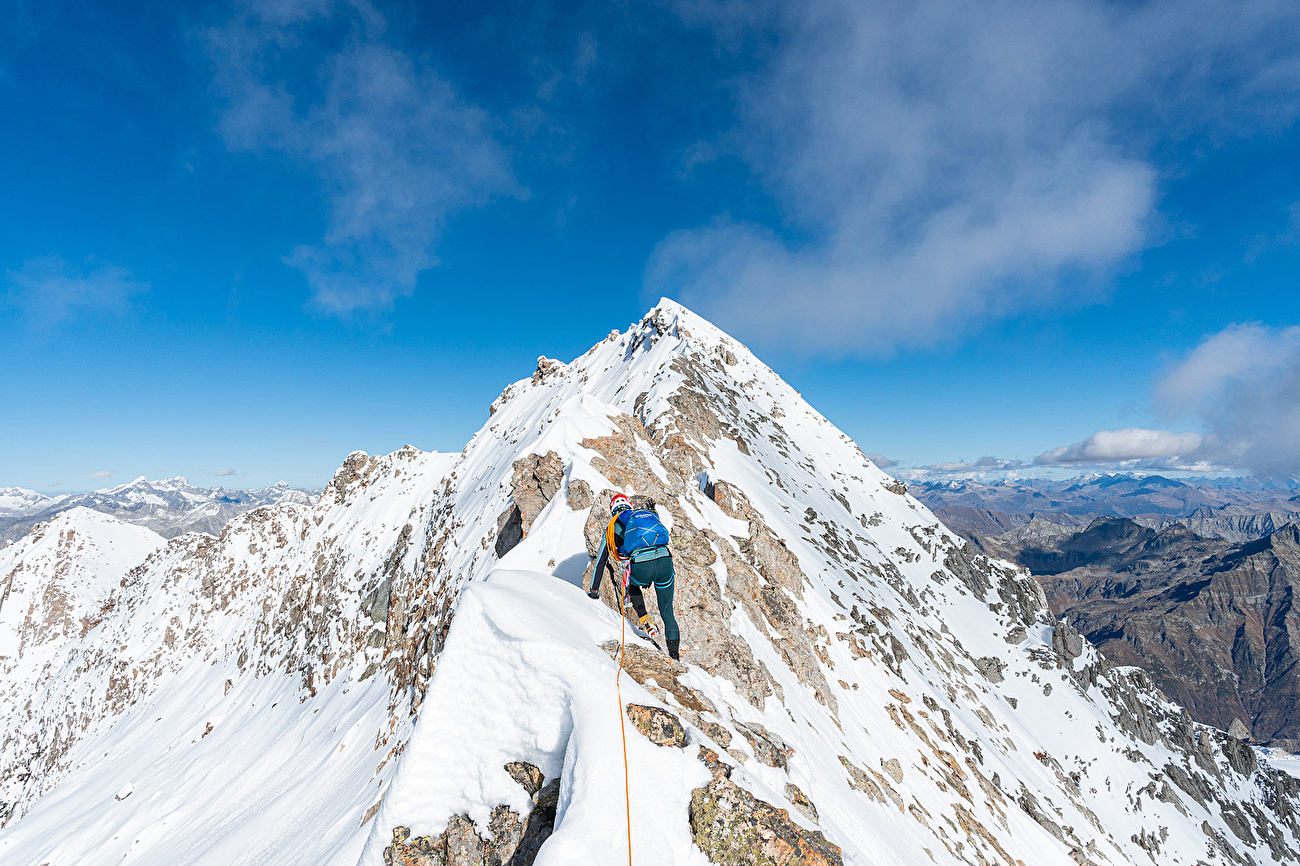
<point x="579" y="495"/>
<point x="510" y="840"/>
<point x="801" y="801"/>
<point x="768" y="748"/>
<point x="537" y="478"/>
<point x="659" y="726"/>
<point x="733" y="827"/>
<point x="658" y="671"/>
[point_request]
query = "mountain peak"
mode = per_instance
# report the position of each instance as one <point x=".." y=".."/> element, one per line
<point x="853" y="674"/>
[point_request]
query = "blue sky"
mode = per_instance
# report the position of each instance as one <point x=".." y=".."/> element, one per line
<point x="258" y="236"/>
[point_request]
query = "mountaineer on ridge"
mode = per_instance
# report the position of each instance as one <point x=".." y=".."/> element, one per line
<point x="635" y="547"/>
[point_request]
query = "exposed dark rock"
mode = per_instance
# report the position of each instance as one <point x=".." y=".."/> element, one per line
<point x="716" y="732"/>
<point x="991" y="668"/>
<point x="648" y="666"/>
<point x="537" y="478"/>
<point x="510" y="841"/>
<point x="1029" y="805"/>
<point x="510" y="530"/>
<point x="1239" y="754"/>
<point x="659" y="726"/>
<point x="801" y="801"/>
<point x="1193" y="783"/>
<point x="733" y="827"/>
<point x="1066" y="640"/>
<point x="768" y="748"/>
<point x="964" y="563"/>
<point x="579" y="495"/>
<point x="526" y="775"/>
<point x="546" y="367"/>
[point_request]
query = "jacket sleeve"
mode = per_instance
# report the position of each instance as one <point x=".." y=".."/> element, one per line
<point x="602" y="558"/>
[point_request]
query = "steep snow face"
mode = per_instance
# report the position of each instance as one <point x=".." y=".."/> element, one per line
<point x="422" y="625"/>
<point x="277" y="630"/>
<point x="56" y="585"/>
<point x="55" y="582"/>
<point x="169" y="506"/>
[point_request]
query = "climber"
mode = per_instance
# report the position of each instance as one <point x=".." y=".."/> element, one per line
<point x="636" y="541"/>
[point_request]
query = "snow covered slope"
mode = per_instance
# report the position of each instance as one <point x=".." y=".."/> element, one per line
<point x="321" y="676"/>
<point x="169" y="506"/>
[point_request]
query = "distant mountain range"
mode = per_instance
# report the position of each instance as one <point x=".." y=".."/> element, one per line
<point x="1192" y="580"/>
<point x="1235" y="509"/>
<point x="169" y="506"/>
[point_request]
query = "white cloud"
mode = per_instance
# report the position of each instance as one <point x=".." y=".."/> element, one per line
<point x="396" y="149"/>
<point x="104" y="473"/>
<point x="223" y="472"/>
<point x="51" y="289"/>
<point x="942" y="163"/>
<point x="1243" y="384"/>
<point x="960" y="467"/>
<point x="1121" y="446"/>
<point x="881" y="460"/>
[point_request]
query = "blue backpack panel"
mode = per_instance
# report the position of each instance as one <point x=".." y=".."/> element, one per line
<point x="642" y="530"/>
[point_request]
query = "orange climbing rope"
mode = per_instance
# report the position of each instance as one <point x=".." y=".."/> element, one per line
<point x="622" y="722"/>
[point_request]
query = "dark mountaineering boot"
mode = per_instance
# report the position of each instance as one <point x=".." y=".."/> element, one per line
<point x="648" y="626"/>
<point x="593" y="595"/>
<point x="672" y="649"/>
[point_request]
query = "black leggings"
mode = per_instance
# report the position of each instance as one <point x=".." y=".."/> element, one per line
<point x="660" y="573"/>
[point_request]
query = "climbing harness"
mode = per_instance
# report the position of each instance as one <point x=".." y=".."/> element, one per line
<point x="622" y="727"/>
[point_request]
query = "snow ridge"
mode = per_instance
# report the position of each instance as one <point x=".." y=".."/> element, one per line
<point x="320" y="674"/>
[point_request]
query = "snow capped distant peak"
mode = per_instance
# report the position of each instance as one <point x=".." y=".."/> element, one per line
<point x="20" y="502"/>
<point x="171" y="506"/>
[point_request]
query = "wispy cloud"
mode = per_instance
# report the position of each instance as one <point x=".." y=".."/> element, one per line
<point x="104" y="473"/>
<point x="942" y="163"/>
<point x="223" y="472"/>
<point x="961" y="467"/>
<point x="881" y="460"/>
<point x="1288" y="235"/>
<point x="51" y="289"/>
<point x="394" y="146"/>
<point x="1243" y="384"/>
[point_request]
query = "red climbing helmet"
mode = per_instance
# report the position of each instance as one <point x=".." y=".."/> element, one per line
<point x="618" y="502"/>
